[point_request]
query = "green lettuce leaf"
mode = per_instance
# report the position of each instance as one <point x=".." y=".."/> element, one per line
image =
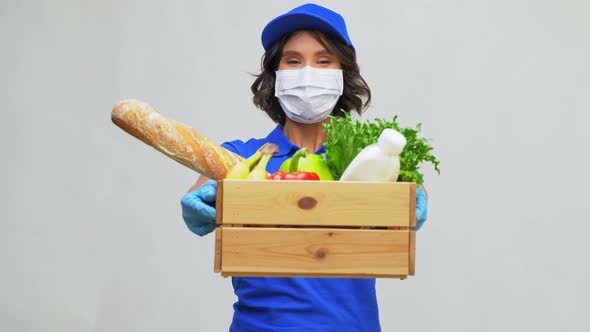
<point x="348" y="136"/>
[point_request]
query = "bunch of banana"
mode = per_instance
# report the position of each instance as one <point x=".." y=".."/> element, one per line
<point x="254" y="167"/>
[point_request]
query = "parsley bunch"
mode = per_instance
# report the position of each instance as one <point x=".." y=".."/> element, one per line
<point x="348" y="136"/>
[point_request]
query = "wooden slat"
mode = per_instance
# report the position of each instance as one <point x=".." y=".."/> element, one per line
<point x="412" y="205"/>
<point x="219" y="203"/>
<point x="312" y="275"/>
<point x="217" y="263"/>
<point x="314" y="252"/>
<point x="320" y="203"/>
<point x="412" y="234"/>
<point x="412" y="253"/>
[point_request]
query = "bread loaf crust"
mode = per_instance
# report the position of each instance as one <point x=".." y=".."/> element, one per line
<point x="174" y="139"/>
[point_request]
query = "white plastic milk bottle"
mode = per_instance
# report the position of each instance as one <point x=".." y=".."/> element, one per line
<point x="378" y="161"/>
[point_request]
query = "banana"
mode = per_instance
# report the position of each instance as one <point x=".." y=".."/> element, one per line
<point x="259" y="171"/>
<point x="243" y="169"/>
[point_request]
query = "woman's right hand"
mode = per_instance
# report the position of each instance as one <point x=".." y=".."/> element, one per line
<point x="198" y="208"/>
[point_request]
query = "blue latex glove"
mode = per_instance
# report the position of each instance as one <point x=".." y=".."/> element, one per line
<point x="198" y="208"/>
<point x="421" y="208"/>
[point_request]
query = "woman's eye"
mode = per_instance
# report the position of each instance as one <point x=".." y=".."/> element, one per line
<point x="292" y="61"/>
<point x="324" y="62"/>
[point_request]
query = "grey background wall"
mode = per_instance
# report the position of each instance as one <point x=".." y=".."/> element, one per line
<point x="92" y="237"/>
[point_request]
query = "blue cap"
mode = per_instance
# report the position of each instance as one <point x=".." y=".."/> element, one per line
<point x="308" y="16"/>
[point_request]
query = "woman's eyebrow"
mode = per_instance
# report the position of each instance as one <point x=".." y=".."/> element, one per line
<point x="295" y="53"/>
<point x="323" y="52"/>
<point x="290" y="53"/>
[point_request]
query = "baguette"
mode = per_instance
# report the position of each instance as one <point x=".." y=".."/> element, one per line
<point x="174" y="139"/>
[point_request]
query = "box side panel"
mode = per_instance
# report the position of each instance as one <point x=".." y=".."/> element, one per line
<point x="412" y="234"/>
<point x="251" y="251"/>
<point x="314" y="275"/>
<point x="412" y="203"/>
<point x="316" y="203"/>
<point x="412" y="255"/>
<point x="217" y="260"/>
<point x="219" y="203"/>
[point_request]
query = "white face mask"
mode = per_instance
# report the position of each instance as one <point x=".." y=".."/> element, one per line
<point x="308" y="95"/>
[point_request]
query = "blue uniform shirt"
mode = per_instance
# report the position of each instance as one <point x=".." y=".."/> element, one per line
<point x="300" y="304"/>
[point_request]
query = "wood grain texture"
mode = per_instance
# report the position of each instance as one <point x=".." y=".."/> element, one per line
<point x="336" y="203"/>
<point x="257" y="251"/>
<point x="314" y="275"/>
<point x="219" y="203"/>
<point x="217" y="260"/>
<point x="412" y="253"/>
<point x="412" y="204"/>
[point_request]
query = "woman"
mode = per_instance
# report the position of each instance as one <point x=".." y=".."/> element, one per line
<point x="309" y="72"/>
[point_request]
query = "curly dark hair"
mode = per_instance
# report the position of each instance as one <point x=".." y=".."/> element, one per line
<point x="356" y="96"/>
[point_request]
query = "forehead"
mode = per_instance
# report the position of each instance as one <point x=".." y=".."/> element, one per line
<point x="302" y="41"/>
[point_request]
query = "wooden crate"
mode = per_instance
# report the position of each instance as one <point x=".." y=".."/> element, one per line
<point x="315" y="229"/>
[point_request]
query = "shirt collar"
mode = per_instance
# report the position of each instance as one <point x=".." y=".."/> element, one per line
<point x="285" y="146"/>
